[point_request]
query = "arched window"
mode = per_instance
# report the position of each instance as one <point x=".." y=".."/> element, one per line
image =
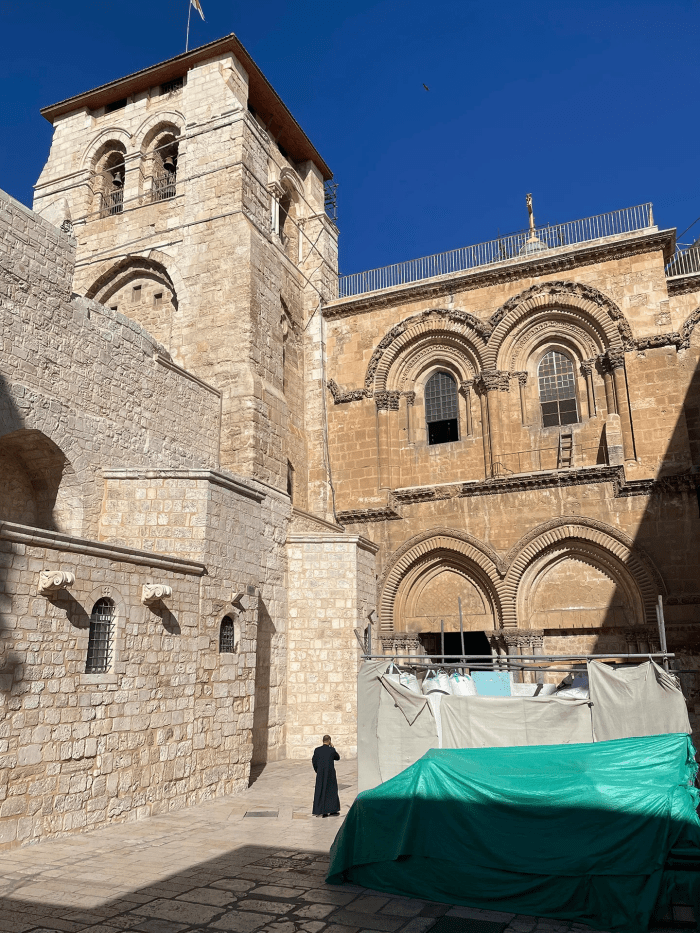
<point x="557" y="383"/>
<point x="99" y="653"/>
<point x="112" y="185"/>
<point x="228" y="636"/>
<point x="165" y="169"/>
<point x="441" y="409"/>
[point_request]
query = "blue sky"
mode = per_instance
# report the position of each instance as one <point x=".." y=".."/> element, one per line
<point x="591" y="106"/>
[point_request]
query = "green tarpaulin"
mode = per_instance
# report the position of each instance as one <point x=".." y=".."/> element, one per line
<point x="575" y="832"/>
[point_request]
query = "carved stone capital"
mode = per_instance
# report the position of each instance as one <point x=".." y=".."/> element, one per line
<point x="587" y="367"/>
<point x="153" y="593"/>
<point x="410" y="398"/>
<point x="275" y="189"/>
<point x="401" y="643"/>
<point x="387" y="401"/>
<point x="522" y="378"/>
<point x="493" y="380"/>
<point x="615" y="358"/>
<point x="465" y="387"/>
<point x="53" y="581"/>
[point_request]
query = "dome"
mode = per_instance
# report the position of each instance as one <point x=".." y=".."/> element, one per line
<point x="532" y="245"/>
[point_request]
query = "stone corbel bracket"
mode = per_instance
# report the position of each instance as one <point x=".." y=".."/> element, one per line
<point x="153" y="593"/>
<point x="241" y="601"/>
<point x="52" y="582"/>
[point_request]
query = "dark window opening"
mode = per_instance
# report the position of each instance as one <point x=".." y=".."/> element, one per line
<point x="113" y="308"/>
<point x="474" y="643"/>
<point x="99" y="653"/>
<point x="171" y="86"/>
<point x="136" y="293"/>
<point x="441" y="409"/>
<point x="116" y="105"/>
<point x="290" y="481"/>
<point x="227" y="636"/>
<point x="283" y="151"/>
<point x="557" y="385"/>
<point x="158" y="298"/>
<point x="251" y="109"/>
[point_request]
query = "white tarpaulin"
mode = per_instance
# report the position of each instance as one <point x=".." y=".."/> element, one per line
<point x="632" y="701"/>
<point x="396" y="726"/>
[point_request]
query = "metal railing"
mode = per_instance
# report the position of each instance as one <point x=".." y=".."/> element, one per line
<point x="506" y="248"/>
<point x="547" y="458"/>
<point x="164" y="186"/>
<point x="685" y="262"/>
<point x="112" y="202"/>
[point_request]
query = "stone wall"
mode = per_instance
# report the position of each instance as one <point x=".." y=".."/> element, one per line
<point x="529" y="541"/>
<point x="331" y="581"/>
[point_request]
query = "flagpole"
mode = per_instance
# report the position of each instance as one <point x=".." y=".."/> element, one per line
<point x="189" y="13"/>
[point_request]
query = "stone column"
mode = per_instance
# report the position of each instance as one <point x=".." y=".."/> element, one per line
<point x="276" y="192"/>
<point x="616" y="362"/>
<point x="536" y="643"/>
<point x="491" y="382"/>
<point x="587" y="373"/>
<point x="386" y="402"/>
<point x="522" y="382"/>
<point x="513" y="640"/>
<point x="410" y="399"/>
<point x="465" y="391"/>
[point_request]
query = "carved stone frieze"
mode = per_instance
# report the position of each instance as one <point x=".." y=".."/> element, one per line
<point x="401" y="643"/>
<point x="387" y="401"/>
<point x="658" y="340"/>
<point x="366" y="516"/>
<point x="556" y="327"/>
<point x="153" y="593"/>
<point x="345" y="395"/>
<point x="688" y="599"/>
<point x="438" y="317"/>
<point x="52" y="582"/>
<point x="689" y="327"/>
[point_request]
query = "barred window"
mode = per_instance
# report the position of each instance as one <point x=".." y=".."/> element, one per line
<point x="227" y="636"/>
<point x="441" y="408"/>
<point x="99" y="653"/>
<point x="557" y="383"/>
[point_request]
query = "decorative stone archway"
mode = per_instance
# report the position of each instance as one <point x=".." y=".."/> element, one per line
<point x="429" y="572"/>
<point x="593" y="570"/>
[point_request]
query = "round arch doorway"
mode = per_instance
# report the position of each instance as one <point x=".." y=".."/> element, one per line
<point x="428" y="599"/>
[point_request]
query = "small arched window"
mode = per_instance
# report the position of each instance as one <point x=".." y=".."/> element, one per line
<point x="441" y="409"/>
<point x="99" y="653"/>
<point x="228" y="637"/>
<point x="557" y="384"/>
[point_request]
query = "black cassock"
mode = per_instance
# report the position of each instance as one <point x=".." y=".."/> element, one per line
<point x="326" y="798"/>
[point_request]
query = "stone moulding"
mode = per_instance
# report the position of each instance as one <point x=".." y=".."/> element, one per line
<point x="428" y="289"/>
<point x="358" y="540"/>
<point x="689" y="327"/>
<point x="622" y="488"/>
<point x="53" y="581"/>
<point x="154" y="593"/>
<point x="346" y="395"/>
<point x="366" y="516"/>
<point x="306" y="523"/>
<point x="683" y="285"/>
<point x="39" y="537"/>
<point x="211" y="476"/>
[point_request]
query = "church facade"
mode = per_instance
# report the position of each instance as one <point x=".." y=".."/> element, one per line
<point x="222" y="464"/>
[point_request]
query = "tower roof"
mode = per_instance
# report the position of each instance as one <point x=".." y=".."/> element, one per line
<point x="262" y="96"/>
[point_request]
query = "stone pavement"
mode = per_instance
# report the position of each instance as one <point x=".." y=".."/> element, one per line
<point x="254" y="863"/>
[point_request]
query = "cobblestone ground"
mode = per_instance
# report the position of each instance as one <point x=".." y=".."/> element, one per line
<point x="254" y="863"/>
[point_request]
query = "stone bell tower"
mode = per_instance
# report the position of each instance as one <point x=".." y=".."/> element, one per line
<point x="197" y="202"/>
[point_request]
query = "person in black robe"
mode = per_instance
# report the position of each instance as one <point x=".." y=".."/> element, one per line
<point x="326" y="800"/>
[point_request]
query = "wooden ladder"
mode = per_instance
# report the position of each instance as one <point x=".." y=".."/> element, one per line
<point x="565" y="454"/>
